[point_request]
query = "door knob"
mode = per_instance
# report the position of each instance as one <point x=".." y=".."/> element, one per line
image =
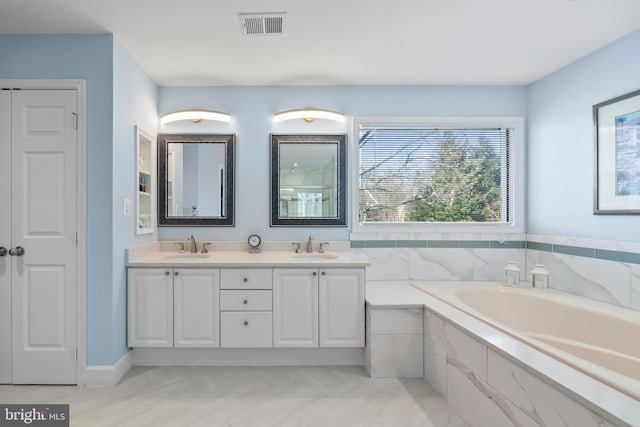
<point x="17" y="251"/>
<point x="3" y="251"/>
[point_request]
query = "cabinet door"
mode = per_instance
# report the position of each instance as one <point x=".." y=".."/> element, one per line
<point x="295" y="307"/>
<point x="341" y="294"/>
<point x="196" y="308"/>
<point x="150" y="307"/>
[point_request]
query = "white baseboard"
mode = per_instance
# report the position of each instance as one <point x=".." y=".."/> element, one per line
<point x="248" y="357"/>
<point x="108" y="375"/>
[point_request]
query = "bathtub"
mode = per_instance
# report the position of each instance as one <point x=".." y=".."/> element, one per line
<point x="599" y="339"/>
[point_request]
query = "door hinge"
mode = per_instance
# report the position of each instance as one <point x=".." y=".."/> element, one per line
<point x="75" y="120"/>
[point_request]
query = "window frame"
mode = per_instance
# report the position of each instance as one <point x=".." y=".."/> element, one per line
<point x="517" y="177"/>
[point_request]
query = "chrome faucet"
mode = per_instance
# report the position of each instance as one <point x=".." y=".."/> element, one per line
<point x="310" y="244"/>
<point x="194" y="245"/>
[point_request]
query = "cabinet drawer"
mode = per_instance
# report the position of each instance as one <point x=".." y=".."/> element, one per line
<point x="241" y="300"/>
<point x="243" y="278"/>
<point x="245" y="329"/>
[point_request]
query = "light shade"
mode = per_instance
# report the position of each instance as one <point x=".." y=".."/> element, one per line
<point x="195" y="116"/>
<point x="309" y="115"/>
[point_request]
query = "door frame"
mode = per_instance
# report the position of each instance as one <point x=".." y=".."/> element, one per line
<point x="81" y="178"/>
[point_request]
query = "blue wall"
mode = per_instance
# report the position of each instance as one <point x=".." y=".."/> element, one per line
<point x="87" y="57"/>
<point x="252" y="109"/>
<point x="119" y="96"/>
<point x="135" y="103"/>
<point x="561" y="143"/>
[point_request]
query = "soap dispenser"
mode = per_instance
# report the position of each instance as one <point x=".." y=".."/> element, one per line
<point x="511" y="274"/>
<point x="539" y="277"/>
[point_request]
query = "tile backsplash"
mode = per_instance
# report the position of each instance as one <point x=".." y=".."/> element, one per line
<point x="607" y="271"/>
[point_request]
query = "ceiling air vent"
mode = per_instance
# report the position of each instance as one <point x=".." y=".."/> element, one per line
<point x="263" y="24"/>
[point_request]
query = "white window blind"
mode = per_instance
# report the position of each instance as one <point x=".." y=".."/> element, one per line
<point x="435" y="175"/>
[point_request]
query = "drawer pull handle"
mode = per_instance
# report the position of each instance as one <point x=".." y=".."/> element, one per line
<point x="315" y="274"/>
<point x="245" y="280"/>
<point x="175" y="274"/>
<point x="166" y="273"/>
<point x="246" y="323"/>
<point x="324" y="273"/>
<point x="245" y="302"/>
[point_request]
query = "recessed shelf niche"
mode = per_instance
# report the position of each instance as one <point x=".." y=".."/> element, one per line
<point x="145" y="223"/>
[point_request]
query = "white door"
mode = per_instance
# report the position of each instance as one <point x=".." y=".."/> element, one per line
<point x="150" y="307"/>
<point x="44" y="225"/>
<point x="341" y="294"/>
<point x="5" y="237"/>
<point x="295" y="307"/>
<point x="196" y="313"/>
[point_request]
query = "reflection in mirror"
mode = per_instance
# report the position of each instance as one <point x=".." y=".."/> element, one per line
<point x="308" y="180"/>
<point x="196" y="179"/>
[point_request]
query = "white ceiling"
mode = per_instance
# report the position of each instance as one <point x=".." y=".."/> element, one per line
<point x="341" y="42"/>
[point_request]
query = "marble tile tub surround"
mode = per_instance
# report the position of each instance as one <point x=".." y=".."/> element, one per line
<point x="394" y="342"/>
<point x="493" y="379"/>
<point x="602" y="270"/>
<point x="597" y="269"/>
<point x="440" y="263"/>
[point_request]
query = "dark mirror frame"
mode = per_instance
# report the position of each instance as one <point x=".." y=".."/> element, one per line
<point x="341" y="219"/>
<point x="228" y="219"/>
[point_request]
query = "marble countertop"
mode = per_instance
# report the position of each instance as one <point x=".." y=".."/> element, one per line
<point x="592" y="393"/>
<point x="236" y="255"/>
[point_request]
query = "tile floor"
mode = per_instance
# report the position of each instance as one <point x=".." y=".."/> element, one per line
<point x="247" y="396"/>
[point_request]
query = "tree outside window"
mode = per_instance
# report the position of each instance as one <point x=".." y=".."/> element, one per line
<point x="433" y="175"/>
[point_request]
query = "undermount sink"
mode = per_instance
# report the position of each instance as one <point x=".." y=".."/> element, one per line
<point x="186" y="255"/>
<point x="314" y="256"/>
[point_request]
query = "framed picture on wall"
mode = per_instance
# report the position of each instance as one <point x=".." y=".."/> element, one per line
<point x="617" y="156"/>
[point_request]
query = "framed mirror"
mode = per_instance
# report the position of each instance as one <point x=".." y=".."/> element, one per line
<point x="195" y="179"/>
<point x="308" y="180"/>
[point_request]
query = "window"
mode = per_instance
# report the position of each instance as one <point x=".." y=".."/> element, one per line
<point x="457" y="174"/>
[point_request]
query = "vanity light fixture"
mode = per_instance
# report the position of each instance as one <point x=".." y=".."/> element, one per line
<point x="195" y="116"/>
<point x="309" y="115"/>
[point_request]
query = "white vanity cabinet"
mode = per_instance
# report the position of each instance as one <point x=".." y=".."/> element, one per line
<point x="302" y="307"/>
<point x="150" y="307"/>
<point x="295" y="307"/>
<point x="318" y="307"/>
<point x="245" y="308"/>
<point x="173" y="307"/>
<point x="341" y="304"/>
<point x="196" y="308"/>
